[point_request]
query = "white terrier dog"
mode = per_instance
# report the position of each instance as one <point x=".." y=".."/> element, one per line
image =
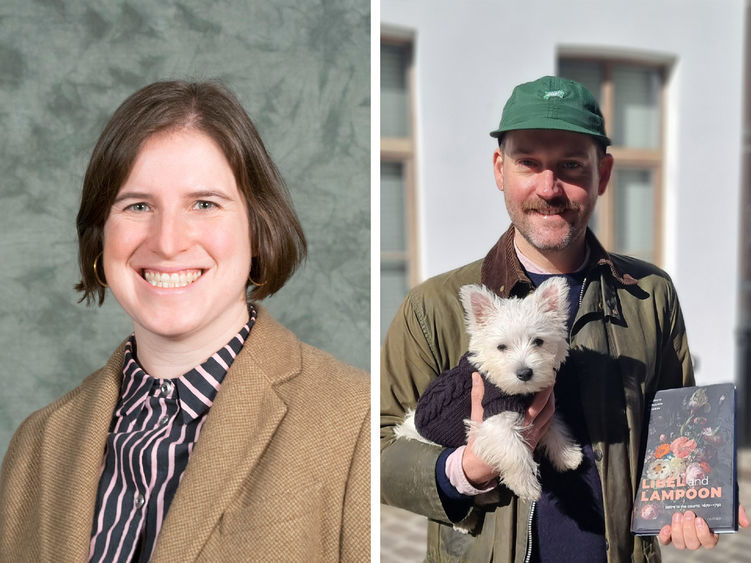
<point x="517" y="345"/>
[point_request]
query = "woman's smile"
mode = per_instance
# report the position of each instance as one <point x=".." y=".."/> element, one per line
<point x="182" y="278"/>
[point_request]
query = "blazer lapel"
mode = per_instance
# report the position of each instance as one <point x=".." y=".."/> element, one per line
<point x="71" y="462"/>
<point x="240" y="424"/>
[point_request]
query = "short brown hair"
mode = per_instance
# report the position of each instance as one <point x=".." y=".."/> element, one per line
<point x="277" y="238"/>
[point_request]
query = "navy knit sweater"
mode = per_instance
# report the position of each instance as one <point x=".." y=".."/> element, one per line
<point x="447" y="402"/>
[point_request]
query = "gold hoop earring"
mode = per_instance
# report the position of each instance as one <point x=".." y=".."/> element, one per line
<point x="96" y="274"/>
<point x="254" y="283"/>
<point x="251" y="279"/>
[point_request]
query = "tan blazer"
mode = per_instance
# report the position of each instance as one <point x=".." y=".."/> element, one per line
<point x="279" y="473"/>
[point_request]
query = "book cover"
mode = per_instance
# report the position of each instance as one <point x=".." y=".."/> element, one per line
<point x="690" y="460"/>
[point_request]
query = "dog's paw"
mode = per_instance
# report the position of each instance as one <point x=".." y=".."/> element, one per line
<point x="407" y="429"/>
<point x="527" y="487"/>
<point x="560" y="447"/>
<point x="569" y="457"/>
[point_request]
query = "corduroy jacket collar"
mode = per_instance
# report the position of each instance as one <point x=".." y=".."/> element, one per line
<point x="503" y="273"/>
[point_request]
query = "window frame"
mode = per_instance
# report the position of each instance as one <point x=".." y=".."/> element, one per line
<point x="402" y="150"/>
<point x="628" y="158"/>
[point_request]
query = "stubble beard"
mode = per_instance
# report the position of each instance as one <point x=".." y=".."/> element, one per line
<point x="538" y="238"/>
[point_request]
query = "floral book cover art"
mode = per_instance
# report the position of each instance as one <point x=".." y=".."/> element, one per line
<point x="690" y="461"/>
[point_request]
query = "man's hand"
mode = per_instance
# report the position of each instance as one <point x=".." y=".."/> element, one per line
<point x="688" y="531"/>
<point x="478" y="473"/>
<point x="536" y="419"/>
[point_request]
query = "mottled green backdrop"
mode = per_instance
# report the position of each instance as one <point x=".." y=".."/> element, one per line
<point x="302" y="70"/>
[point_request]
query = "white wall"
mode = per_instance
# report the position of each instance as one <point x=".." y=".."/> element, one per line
<point x="470" y="54"/>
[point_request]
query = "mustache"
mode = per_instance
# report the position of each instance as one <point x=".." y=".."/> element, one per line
<point x="555" y="205"/>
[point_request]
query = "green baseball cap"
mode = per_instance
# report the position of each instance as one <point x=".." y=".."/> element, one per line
<point x="551" y="102"/>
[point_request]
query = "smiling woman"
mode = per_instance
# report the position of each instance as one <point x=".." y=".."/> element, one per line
<point x="178" y="218"/>
<point x="186" y="220"/>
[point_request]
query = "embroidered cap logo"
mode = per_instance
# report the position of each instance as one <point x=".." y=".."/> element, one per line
<point x="554" y="94"/>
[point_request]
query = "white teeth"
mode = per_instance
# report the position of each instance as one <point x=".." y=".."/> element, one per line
<point x="165" y="280"/>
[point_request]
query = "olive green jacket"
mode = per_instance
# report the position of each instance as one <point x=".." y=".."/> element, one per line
<point x="628" y="340"/>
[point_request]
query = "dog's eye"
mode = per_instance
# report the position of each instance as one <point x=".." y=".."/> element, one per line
<point x="538" y="342"/>
<point x="502" y="347"/>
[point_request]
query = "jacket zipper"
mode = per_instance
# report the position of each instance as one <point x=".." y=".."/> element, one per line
<point x="528" y="556"/>
<point x="581" y="292"/>
<point x="581" y="298"/>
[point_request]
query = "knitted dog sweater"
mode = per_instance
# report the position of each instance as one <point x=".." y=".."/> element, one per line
<point x="447" y="402"/>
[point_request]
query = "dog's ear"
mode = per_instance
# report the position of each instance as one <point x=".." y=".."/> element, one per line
<point x="552" y="296"/>
<point x="477" y="302"/>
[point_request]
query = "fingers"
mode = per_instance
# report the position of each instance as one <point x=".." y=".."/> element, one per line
<point x="541" y="399"/>
<point x="687" y="531"/>
<point x="696" y="532"/>
<point x="546" y="414"/>
<point x="688" y="526"/>
<point x="538" y="417"/>
<point x="742" y="517"/>
<point x="543" y="428"/>
<point x="676" y="531"/>
<point x="665" y="535"/>
<point x="478" y="391"/>
<point x="706" y="538"/>
<point x="542" y="407"/>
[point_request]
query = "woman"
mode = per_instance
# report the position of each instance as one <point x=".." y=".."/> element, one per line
<point x="183" y="215"/>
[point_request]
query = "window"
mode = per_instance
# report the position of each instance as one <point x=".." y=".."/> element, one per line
<point x="627" y="218"/>
<point x="398" y="238"/>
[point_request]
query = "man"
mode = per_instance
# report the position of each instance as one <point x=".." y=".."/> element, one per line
<point x="627" y="340"/>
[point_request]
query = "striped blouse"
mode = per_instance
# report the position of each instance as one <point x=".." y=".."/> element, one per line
<point x="154" y="428"/>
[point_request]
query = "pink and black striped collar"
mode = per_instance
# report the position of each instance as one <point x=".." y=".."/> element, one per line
<point x="196" y="389"/>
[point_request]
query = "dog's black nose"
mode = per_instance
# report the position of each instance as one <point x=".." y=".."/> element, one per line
<point x="525" y="374"/>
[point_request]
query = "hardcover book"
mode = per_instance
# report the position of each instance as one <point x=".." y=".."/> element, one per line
<point x="690" y="461"/>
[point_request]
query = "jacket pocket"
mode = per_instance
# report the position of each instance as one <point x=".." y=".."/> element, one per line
<point x="278" y="527"/>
